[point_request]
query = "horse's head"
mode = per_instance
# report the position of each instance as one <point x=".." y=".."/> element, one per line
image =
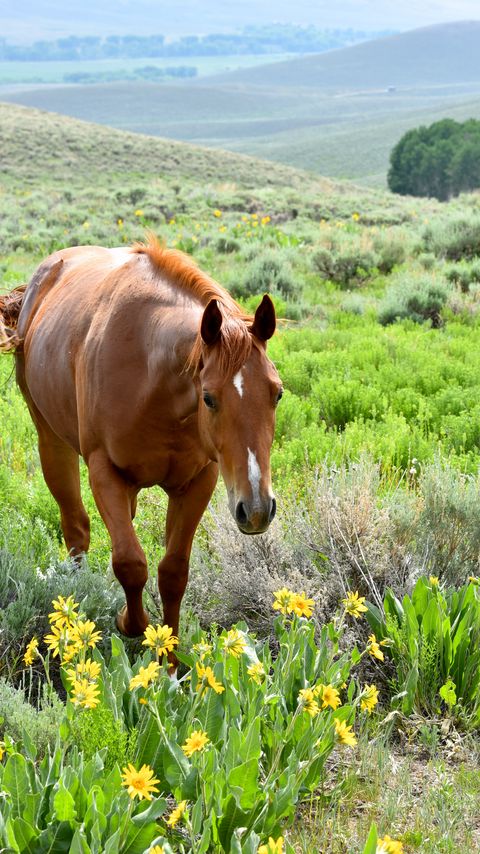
<point x="237" y="409"/>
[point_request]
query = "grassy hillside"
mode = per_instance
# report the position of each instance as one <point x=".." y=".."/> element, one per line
<point x="331" y="113"/>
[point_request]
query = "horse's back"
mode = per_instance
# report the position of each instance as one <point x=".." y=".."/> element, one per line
<point x="90" y="319"/>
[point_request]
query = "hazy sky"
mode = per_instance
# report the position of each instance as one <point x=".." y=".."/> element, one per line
<point x="34" y="19"/>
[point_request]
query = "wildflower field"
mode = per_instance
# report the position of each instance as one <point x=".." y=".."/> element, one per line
<point x="328" y="692"/>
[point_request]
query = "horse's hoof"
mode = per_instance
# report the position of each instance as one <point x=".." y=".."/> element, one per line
<point x="125" y="627"/>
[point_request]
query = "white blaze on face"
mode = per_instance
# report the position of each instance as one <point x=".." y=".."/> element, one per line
<point x="254" y="475"/>
<point x="238" y="382"/>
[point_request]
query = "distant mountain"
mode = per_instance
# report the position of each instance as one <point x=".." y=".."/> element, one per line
<point x="445" y="53"/>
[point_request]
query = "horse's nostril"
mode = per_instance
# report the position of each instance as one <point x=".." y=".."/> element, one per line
<point x="273" y="510"/>
<point x="241" y="514"/>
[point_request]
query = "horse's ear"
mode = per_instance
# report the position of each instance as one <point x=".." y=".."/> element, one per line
<point x="211" y="323"/>
<point x="264" y="322"/>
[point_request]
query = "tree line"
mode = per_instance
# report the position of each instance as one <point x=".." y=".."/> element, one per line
<point x="275" y="38"/>
<point x="441" y="160"/>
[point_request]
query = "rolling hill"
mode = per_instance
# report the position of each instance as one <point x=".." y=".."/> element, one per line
<point x="338" y="114"/>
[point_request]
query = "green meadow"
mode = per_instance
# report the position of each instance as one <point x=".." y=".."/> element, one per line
<point x="328" y="726"/>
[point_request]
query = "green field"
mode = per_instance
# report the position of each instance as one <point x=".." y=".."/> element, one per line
<point x="375" y="467"/>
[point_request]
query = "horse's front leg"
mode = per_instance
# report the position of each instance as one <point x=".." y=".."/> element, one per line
<point x="116" y="499"/>
<point x="183" y="515"/>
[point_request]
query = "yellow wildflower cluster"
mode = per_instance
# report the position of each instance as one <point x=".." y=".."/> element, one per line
<point x="345" y="733"/>
<point x="369" y="698"/>
<point x="288" y="602"/>
<point x="71" y="636"/>
<point x="311" y="698"/>
<point x="373" y="647"/>
<point x="145" y="676"/>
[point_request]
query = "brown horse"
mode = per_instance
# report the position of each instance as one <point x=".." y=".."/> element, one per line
<point x="143" y="365"/>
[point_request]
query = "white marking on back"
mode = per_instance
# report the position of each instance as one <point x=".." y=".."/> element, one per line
<point x="254" y="475"/>
<point x="238" y="382"/>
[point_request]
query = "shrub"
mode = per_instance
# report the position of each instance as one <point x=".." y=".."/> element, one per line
<point x="419" y="298"/>
<point x="390" y="252"/>
<point x="353" y="266"/>
<point x="20" y="719"/>
<point x="464" y="275"/>
<point x="226" y="245"/>
<point x="454" y="239"/>
<point x="268" y="272"/>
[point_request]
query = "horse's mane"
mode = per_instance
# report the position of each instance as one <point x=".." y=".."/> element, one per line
<point x="235" y="343"/>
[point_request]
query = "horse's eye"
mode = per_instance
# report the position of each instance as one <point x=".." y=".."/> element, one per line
<point x="209" y="400"/>
<point x="279" y="396"/>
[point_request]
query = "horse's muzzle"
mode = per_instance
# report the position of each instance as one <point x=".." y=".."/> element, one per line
<point x="255" y="519"/>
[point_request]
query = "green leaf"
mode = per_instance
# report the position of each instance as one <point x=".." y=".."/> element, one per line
<point x="25" y="835"/>
<point x="79" y="844"/>
<point x="139" y="838"/>
<point x="175" y="764"/>
<point x="154" y="810"/>
<point x="64" y="805"/>
<point x="243" y="781"/>
<point x="56" y="839"/>
<point x="16" y="781"/>
<point x="448" y="694"/>
<point x="371" y="843"/>
<point x="232" y="817"/>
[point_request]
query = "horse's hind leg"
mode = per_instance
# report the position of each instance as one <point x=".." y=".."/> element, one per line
<point x="60" y="466"/>
<point x="115" y="499"/>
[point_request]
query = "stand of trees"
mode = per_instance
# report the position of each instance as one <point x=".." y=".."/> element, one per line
<point x="276" y="38"/>
<point x="441" y="160"/>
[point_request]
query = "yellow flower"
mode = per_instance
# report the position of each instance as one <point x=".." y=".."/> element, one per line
<point x="369" y="698"/>
<point x="265" y="220"/>
<point x="345" y="733"/>
<point x="256" y="672"/>
<point x="330" y="697"/>
<point x="60" y="639"/>
<point x="354" y="604"/>
<point x="64" y="611"/>
<point x="172" y="221"/>
<point x="195" y="742"/>
<point x="145" y="675"/>
<point x="177" y="814"/>
<point x="433" y="580"/>
<point x="301" y="606"/>
<point x="161" y="639"/>
<point x="272" y="847"/>
<point x="89" y="670"/>
<point x="85" y="694"/>
<point x="2" y="750"/>
<point x="389" y="846"/>
<point x="234" y="643"/>
<point x="283" y="600"/>
<point x="355" y="216"/>
<point x="255" y="216"/>
<point x="139" y="212"/>
<point x="307" y="698"/>
<point x="245" y="218"/>
<point x="217" y="213"/>
<point x="143" y="701"/>
<point x="255" y="224"/>
<point x="206" y="679"/>
<point x="120" y="223"/>
<point x="141" y="783"/>
<point x="202" y="648"/>
<point x="85" y="635"/>
<point x="222" y="228"/>
<point x="31" y="652"/>
<point x="474" y="580"/>
<point x="69" y="652"/>
<point x="156" y="849"/>
<point x="373" y="648"/>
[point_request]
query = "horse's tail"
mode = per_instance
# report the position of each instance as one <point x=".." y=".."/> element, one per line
<point x="10" y="305"/>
